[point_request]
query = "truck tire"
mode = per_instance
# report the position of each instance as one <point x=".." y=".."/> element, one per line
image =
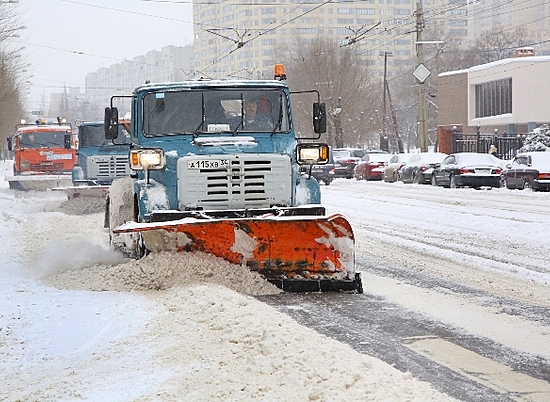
<point x="121" y="208"/>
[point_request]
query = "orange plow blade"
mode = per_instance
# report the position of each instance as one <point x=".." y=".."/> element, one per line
<point x="295" y="253"/>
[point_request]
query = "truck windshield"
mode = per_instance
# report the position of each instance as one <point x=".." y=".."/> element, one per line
<point x="42" y="139"/>
<point x="215" y="111"/>
<point x="94" y="135"/>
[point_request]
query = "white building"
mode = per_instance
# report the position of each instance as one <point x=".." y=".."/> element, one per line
<point x="170" y="64"/>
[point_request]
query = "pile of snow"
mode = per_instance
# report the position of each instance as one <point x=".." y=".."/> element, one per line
<point x="162" y="271"/>
<point x="83" y="206"/>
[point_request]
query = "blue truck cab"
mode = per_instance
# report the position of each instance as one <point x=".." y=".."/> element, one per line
<point x="200" y="146"/>
<point x="100" y="161"/>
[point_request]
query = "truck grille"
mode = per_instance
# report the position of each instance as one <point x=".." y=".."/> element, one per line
<point x="108" y="167"/>
<point x="48" y="167"/>
<point x="245" y="181"/>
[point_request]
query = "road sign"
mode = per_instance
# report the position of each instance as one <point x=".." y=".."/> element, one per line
<point x="421" y="73"/>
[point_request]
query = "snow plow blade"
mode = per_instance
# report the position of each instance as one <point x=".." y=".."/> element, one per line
<point x="38" y="182"/>
<point x="84" y="191"/>
<point x="297" y="254"/>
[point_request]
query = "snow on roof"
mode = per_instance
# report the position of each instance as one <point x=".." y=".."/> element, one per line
<point x="481" y="67"/>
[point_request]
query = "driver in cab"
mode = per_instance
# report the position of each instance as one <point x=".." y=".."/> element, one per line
<point x="253" y="119"/>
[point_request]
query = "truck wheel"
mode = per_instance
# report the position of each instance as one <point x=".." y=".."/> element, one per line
<point x="121" y="208"/>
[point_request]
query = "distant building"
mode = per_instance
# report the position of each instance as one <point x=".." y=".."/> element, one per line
<point x="528" y="14"/>
<point x="246" y="40"/>
<point x="171" y="63"/>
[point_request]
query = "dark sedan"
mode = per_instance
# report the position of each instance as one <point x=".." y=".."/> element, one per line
<point x="419" y="168"/>
<point x="528" y="170"/>
<point x="324" y="173"/>
<point x="468" y="169"/>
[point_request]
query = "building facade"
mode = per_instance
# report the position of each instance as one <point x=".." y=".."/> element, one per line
<point x="531" y="15"/>
<point x="506" y="98"/>
<point x="170" y="64"/>
<point x="246" y="40"/>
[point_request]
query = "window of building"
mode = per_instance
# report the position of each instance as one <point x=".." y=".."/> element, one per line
<point x="459" y="22"/>
<point x="458" y="12"/>
<point x="493" y="98"/>
<point x="366" y="11"/>
<point x="346" y="11"/>
<point x="306" y="30"/>
<point x="402" y="11"/>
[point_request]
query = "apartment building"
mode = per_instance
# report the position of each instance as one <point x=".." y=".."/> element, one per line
<point x="532" y="15"/>
<point x="246" y="40"/>
<point x="170" y="64"/>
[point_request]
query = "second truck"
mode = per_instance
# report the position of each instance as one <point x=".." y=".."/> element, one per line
<point x="99" y="160"/>
<point x="44" y="155"/>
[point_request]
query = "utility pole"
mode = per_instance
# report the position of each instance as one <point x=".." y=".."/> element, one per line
<point x="335" y="113"/>
<point x="384" y="145"/>
<point x="421" y="73"/>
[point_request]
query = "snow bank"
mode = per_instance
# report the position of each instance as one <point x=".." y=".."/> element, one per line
<point x="161" y="271"/>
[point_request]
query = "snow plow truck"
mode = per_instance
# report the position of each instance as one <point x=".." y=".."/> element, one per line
<point x="44" y="155"/>
<point x="216" y="168"/>
<point x="99" y="160"/>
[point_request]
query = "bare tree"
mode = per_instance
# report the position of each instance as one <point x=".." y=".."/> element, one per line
<point x="344" y="82"/>
<point x="12" y="87"/>
<point x="498" y="44"/>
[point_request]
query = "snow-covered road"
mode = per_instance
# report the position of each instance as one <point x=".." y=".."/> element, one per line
<point x="78" y="323"/>
<point x="496" y="240"/>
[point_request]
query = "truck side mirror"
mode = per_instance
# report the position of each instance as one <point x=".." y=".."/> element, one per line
<point x="67" y="141"/>
<point x="10" y="146"/>
<point x="319" y="118"/>
<point x="111" y="123"/>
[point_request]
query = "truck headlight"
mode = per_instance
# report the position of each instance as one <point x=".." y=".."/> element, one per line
<point x="147" y="159"/>
<point x="312" y="154"/>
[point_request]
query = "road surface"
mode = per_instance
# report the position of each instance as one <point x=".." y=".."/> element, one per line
<point x="456" y="286"/>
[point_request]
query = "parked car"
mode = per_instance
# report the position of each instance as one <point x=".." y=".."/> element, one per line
<point x="393" y="166"/>
<point x="528" y="170"/>
<point x="419" y="168"/>
<point x="469" y="169"/>
<point x="345" y="160"/>
<point x="324" y="173"/>
<point x="371" y="166"/>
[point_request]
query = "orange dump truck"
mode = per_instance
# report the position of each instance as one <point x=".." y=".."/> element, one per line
<point x="44" y="156"/>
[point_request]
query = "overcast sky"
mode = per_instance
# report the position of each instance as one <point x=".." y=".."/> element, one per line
<point x="66" y="39"/>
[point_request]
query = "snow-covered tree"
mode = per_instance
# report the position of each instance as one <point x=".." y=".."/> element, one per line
<point x="537" y="140"/>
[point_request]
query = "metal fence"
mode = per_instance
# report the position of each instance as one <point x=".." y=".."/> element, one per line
<point x="507" y="146"/>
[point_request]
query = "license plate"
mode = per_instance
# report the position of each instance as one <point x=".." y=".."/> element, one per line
<point x="208" y="164"/>
<point x="483" y="170"/>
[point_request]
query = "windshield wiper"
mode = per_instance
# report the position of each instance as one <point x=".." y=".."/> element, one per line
<point x="237" y="128"/>
<point x="280" y="120"/>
